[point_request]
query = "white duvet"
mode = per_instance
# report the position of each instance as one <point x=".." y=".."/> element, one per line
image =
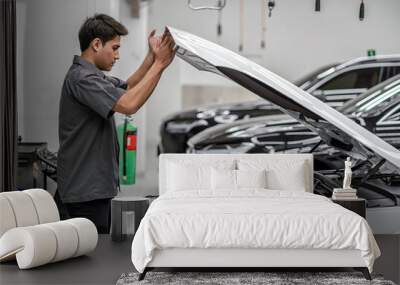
<point x="250" y="219"/>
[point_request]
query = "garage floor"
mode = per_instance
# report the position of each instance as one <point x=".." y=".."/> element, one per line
<point x="103" y="266"/>
<point x="110" y="259"/>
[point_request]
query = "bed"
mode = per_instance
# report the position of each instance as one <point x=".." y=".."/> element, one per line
<point x="245" y="211"/>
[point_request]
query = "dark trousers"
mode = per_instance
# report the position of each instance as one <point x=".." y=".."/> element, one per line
<point x="98" y="211"/>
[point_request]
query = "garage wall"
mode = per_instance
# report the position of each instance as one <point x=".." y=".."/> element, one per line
<point x="298" y="38"/>
<point x="47" y="40"/>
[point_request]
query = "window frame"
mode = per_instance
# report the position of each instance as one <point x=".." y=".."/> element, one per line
<point x="356" y="74"/>
<point x="347" y="69"/>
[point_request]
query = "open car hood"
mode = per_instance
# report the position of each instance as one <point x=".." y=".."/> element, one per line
<point x="333" y="127"/>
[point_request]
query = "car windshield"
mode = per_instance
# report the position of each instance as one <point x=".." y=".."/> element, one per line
<point x="377" y="97"/>
<point x="306" y="80"/>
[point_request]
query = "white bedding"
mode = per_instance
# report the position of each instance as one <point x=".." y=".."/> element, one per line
<point x="250" y="219"/>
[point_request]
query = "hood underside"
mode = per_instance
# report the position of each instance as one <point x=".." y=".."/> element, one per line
<point x="333" y="127"/>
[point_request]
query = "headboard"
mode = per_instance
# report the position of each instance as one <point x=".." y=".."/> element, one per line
<point x="164" y="159"/>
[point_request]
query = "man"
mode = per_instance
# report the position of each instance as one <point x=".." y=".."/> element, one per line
<point x="88" y="155"/>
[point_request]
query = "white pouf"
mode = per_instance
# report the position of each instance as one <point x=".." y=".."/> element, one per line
<point x="31" y="231"/>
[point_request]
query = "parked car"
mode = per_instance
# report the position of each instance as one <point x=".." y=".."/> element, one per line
<point x="378" y="110"/>
<point x="376" y="164"/>
<point x="333" y="84"/>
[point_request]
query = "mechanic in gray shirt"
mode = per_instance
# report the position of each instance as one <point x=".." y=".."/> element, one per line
<point x="87" y="173"/>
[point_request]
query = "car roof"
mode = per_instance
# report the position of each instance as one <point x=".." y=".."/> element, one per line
<point x="395" y="58"/>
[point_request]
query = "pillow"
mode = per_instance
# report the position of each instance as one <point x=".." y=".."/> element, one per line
<point x="223" y="179"/>
<point x="193" y="175"/>
<point x="251" y="178"/>
<point x="181" y="177"/>
<point x="230" y="180"/>
<point x="282" y="174"/>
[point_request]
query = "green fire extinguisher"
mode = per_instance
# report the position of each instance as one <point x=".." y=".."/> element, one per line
<point x="127" y="139"/>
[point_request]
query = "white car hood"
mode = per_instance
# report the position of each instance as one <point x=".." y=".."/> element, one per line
<point x="333" y="127"/>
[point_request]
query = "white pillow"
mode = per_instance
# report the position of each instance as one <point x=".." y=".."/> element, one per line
<point x="230" y="180"/>
<point x="282" y="174"/>
<point x="251" y="178"/>
<point x="223" y="179"/>
<point x="187" y="175"/>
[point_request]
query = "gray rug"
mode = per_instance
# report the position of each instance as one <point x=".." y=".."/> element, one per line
<point x="243" y="278"/>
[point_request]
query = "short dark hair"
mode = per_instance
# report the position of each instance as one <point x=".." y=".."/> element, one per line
<point x="100" y="26"/>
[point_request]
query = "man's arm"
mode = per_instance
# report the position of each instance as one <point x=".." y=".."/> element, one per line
<point x="136" y="96"/>
<point x="141" y="71"/>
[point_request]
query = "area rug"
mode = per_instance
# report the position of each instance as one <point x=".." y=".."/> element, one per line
<point x="244" y="278"/>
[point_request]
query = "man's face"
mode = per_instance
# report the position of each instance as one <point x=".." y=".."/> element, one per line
<point x="107" y="54"/>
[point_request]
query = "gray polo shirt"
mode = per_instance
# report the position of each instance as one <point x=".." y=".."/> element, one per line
<point x="87" y="167"/>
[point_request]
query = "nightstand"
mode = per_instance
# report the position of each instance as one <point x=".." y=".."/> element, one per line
<point x="357" y="205"/>
<point x="126" y="214"/>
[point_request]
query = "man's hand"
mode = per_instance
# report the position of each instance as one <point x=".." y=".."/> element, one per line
<point x="163" y="49"/>
<point x="143" y="81"/>
<point x="152" y="41"/>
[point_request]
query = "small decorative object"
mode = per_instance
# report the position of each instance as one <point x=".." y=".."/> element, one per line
<point x="346" y="192"/>
<point x="347" y="174"/>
